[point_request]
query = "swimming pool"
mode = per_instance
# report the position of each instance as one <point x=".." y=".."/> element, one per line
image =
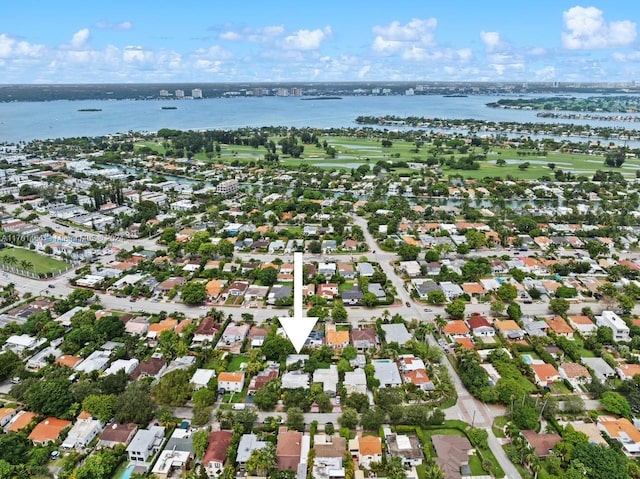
<point x="527" y="359"/>
<point x="127" y="472"/>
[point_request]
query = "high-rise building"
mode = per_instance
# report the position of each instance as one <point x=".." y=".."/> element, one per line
<point x="282" y="92"/>
<point x="196" y="93"/>
<point x="164" y="92"/>
<point x="296" y="92"/>
<point x="179" y="93"/>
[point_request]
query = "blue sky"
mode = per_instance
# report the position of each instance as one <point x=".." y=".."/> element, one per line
<point x="117" y="41"/>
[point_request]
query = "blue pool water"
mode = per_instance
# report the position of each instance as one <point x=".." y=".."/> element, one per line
<point x="527" y="358"/>
<point x="127" y="472"/>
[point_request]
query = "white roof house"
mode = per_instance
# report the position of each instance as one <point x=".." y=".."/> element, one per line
<point x="355" y="381"/>
<point x="96" y="361"/>
<point x="328" y="377"/>
<point x="128" y="365"/>
<point x="295" y="380"/>
<point x="615" y="322"/>
<point x="396" y="333"/>
<point x="82" y="433"/>
<point x="201" y="378"/>
<point x="386" y="371"/>
<point x="19" y="344"/>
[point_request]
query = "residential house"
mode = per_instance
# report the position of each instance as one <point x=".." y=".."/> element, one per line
<point x="474" y="290"/>
<point x="126" y="365"/>
<point x="406" y="447"/>
<point x="535" y="327"/>
<point x="509" y="329"/>
<point x="248" y="444"/>
<point x="337" y="340"/>
<point x="22" y="343"/>
<point x="41" y="358"/>
<point x="575" y="373"/>
<point x="419" y="378"/>
<point x="346" y="270"/>
<point x="378" y="291"/>
<point x="21" y="420"/>
<point x="452" y="455"/>
<point x="364" y="339"/>
<point x="154" y="331"/>
<point x="545" y="374"/>
<point x="85" y="430"/>
<point x="623" y="431"/>
<point x="559" y="326"/>
<point x="328" y="290"/>
<point x="117" y="433"/>
<point x="152" y="367"/>
<point x="480" y="326"/>
<point x="352" y="297"/>
<point x="48" y="431"/>
<point x="234" y="333"/>
<point x="408" y="362"/>
<point x="365" y="270"/>
<point x="96" y="361"/>
<point x="279" y="291"/>
<point x="355" y="381"/>
<point x="257" y="335"/>
<point x="617" y="325"/>
<point x="231" y="382"/>
<point x="177" y="453"/>
<point x="206" y="331"/>
<point x="369" y="450"/>
<point x="456" y="329"/>
<point x="201" y="378"/>
<point x="410" y="268"/>
<point x="451" y="290"/>
<point x="237" y="289"/>
<point x="328" y="378"/>
<point x="600" y="368"/>
<point x="386" y="371"/>
<point x="327" y="269"/>
<point x="145" y="444"/>
<point x="329" y="453"/>
<point x="288" y="449"/>
<point x="582" y="324"/>
<point x="396" y="333"/>
<point x="542" y="444"/>
<point x="216" y="453"/>
<point x="294" y="380"/>
<point x="214" y="288"/>
<point x="628" y="371"/>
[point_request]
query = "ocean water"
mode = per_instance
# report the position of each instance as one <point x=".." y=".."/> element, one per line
<point x="25" y="121"/>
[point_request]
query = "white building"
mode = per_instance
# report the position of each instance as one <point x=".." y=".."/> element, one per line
<point x="227" y="187"/>
<point x="145" y="444"/>
<point x="82" y="433"/>
<point x="617" y="325"/>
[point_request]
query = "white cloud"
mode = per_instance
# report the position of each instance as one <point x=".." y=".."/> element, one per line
<point x="127" y="25"/>
<point x="136" y="54"/>
<point x="255" y="35"/>
<point x="12" y="48"/>
<point x="587" y="28"/>
<point x="545" y="74"/>
<point x="363" y="71"/>
<point x="627" y="57"/>
<point x="80" y="38"/>
<point x="306" y="39"/>
<point x="491" y="40"/>
<point x="399" y="38"/>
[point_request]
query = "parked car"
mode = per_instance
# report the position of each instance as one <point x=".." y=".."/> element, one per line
<point x="428" y="310"/>
<point x="408" y="304"/>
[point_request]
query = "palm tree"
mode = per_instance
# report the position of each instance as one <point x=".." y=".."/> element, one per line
<point x="26" y="264"/>
<point x="441" y="322"/>
<point x="11" y="260"/>
<point x="262" y="461"/>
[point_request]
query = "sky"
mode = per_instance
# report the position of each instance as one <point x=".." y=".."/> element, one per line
<point x="144" y="41"/>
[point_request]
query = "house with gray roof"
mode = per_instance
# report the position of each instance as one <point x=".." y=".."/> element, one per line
<point x="600" y="368"/>
<point x="145" y="444"/>
<point x="396" y="333"/>
<point x="248" y="444"/>
<point x="378" y="290"/>
<point x="365" y="269"/>
<point x="386" y="371"/>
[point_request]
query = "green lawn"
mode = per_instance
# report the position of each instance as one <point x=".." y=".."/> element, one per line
<point x="476" y="466"/>
<point x="42" y="265"/>
<point x="236" y="361"/>
<point x="353" y="152"/>
<point x="498" y="426"/>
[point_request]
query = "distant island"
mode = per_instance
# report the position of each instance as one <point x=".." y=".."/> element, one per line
<point x="90" y="109"/>
<point x="169" y="107"/>
<point x="600" y="104"/>
<point x="323" y="98"/>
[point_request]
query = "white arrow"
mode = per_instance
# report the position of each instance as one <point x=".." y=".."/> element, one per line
<point x="297" y="328"/>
